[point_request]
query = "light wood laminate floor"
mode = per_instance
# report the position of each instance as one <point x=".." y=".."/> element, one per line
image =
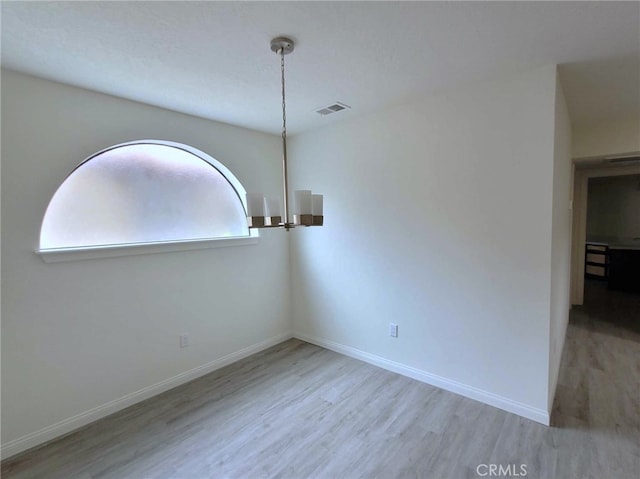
<point x="297" y="411"/>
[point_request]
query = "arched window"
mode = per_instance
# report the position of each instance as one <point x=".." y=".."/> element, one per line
<point x="144" y="192"/>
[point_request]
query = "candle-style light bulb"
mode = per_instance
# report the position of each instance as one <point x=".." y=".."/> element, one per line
<point x="317" y="209"/>
<point x="272" y="210"/>
<point x="255" y="210"/>
<point x="303" y="208"/>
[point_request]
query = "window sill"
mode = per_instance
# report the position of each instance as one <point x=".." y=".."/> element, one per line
<point x="59" y="255"/>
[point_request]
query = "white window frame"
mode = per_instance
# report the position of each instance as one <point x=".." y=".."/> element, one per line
<point x="55" y="255"/>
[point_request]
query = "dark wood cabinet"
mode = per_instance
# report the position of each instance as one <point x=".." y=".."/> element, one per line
<point x="596" y="261"/>
<point x="624" y="269"/>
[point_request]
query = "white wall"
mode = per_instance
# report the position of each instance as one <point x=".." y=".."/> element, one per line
<point x="607" y="138"/>
<point x="78" y="335"/>
<point x="613" y="207"/>
<point x="438" y="217"/>
<point x="561" y="238"/>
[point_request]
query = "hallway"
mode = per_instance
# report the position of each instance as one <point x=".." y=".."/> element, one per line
<point x="597" y="405"/>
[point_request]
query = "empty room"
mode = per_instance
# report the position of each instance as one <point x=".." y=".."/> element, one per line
<point x="320" y="239"/>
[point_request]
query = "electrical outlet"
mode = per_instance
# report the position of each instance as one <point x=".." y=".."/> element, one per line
<point x="393" y="330"/>
<point x="184" y="340"/>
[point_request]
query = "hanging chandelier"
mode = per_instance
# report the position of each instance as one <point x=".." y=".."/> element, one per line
<point x="265" y="212"/>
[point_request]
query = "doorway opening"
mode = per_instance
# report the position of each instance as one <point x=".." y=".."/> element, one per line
<point x="606" y="229"/>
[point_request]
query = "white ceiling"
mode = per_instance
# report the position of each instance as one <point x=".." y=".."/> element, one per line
<point x="212" y="59"/>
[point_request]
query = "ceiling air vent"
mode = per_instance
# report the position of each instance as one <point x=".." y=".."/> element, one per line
<point x="334" y="108"/>
<point x="623" y="159"/>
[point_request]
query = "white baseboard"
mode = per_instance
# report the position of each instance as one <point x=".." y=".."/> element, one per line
<point x="535" y="414"/>
<point x="68" y="425"/>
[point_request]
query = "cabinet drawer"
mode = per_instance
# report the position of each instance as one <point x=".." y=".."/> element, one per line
<point x="596" y="258"/>
<point x="595" y="270"/>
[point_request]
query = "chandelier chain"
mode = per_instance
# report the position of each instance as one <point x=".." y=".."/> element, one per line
<point x="284" y="110"/>
<point x="284" y="145"/>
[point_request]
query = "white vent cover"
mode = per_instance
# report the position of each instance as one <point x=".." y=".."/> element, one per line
<point x="623" y="159"/>
<point x="333" y="108"/>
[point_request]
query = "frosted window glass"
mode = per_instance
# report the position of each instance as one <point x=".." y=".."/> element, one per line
<point x="142" y="193"/>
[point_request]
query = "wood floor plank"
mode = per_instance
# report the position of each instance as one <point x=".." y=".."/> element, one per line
<point x="300" y="411"/>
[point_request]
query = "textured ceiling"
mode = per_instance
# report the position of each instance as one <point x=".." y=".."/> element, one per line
<point x="212" y="59"/>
